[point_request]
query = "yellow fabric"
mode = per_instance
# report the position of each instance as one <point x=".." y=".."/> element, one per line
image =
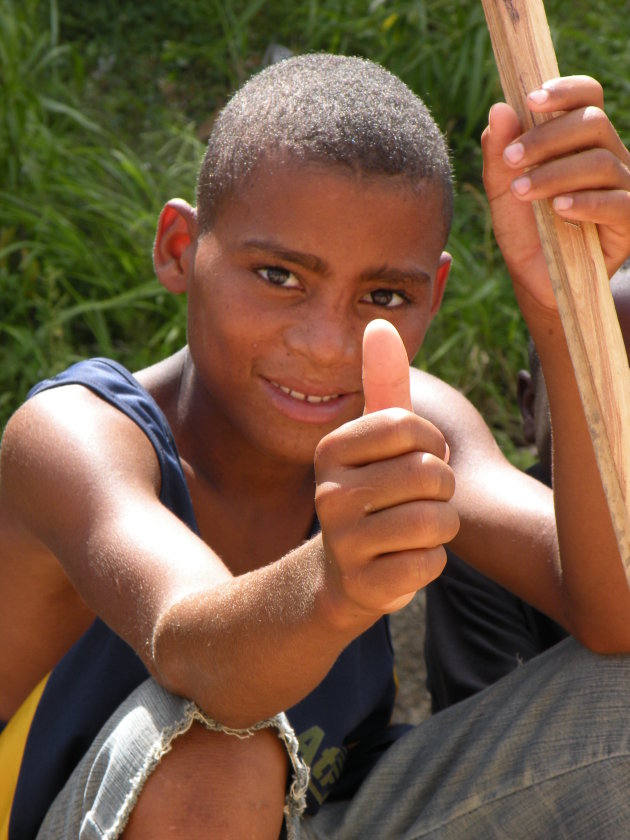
<point x="12" y="743"/>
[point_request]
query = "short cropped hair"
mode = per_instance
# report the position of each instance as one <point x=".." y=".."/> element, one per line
<point x="328" y="109"/>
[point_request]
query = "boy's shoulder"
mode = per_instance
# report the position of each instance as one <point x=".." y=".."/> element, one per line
<point x="75" y="426"/>
<point x="443" y="405"/>
<point x="82" y="396"/>
<point x="429" y="389"/>
<point x="466" y="432"/>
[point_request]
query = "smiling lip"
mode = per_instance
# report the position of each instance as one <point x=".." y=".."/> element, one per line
<point x="314" y="399"/>
<point x="304" y="407"/>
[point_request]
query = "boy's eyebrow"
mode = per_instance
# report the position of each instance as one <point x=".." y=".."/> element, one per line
<point x="273" y="249"/>
<point x="398" y="276"/>
<point x="385" y="273"/>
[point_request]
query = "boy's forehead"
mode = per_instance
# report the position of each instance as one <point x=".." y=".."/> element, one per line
<point x="279" y="163"/>
<point x="281" y="181"/>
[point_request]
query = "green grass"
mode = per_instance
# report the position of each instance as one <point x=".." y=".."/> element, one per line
<point x="102" y="117"/>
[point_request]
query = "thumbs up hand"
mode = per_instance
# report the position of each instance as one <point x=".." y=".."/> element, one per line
<point x="383" y="493"/>
<point x="385" y="368"/>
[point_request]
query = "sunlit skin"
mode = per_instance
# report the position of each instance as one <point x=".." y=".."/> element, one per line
<point x="280" y="292"/>
<point x="248" y="619"/>
<point x="299" y="260"/>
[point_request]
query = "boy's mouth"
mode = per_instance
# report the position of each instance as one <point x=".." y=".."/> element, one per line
<point x="310" y="403"/>
<point x="310" y="398"/>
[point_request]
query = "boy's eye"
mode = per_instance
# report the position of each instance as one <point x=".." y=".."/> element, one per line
<point x="385" y="297"/>
<point x="279" y="277"/>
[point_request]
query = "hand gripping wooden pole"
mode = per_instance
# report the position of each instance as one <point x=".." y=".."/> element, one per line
<point x="525" y="58"/>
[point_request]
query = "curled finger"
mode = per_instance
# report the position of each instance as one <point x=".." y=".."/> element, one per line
<point x="594" y="169"/>
<point x="390" y="581"/>
<point x="409" y="526"/>
<point x="566" y="93"/>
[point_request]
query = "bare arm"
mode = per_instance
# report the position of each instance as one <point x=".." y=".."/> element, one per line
<point x="577" y="155"/>
<point x="41" y="614"/>
<point x="507" y="524"/>
<point x="243" y="647"/>
<point x="95" y="520"/>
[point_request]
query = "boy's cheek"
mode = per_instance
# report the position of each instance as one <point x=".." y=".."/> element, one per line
<point x="413" y="334"/>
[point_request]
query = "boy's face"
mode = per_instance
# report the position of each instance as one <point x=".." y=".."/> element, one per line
<point x="300" y="259"/>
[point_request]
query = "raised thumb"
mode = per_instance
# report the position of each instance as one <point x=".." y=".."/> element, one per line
<point x="385" y="368"/>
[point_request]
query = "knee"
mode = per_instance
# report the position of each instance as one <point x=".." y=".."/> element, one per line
<point x="211" y="784"/>
<point x="589" y="680"/>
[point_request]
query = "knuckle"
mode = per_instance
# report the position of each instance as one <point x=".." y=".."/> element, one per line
<point x="416" y="433"/>
<point x="595" y="115"/>
<point x="329" y="453"/>
<point x="606" y="163"/>
<point x="344" y="494"/>
<point x="402" y="422"/>
<point x="438" y="523"/>
<point x="431" y="562"/>
<point x="610" y="170"/>
<point x="393" y="425"/>
<point x="437" y="478"/>
<point x="319" y="461"/>
<point x="452" y="524"/>
<point x="324" y="452"/>
<point x="327" y="494"/>
<point x="430" y="476"/>
<point x="599" y="126"/>
<point x="597" y="88"/>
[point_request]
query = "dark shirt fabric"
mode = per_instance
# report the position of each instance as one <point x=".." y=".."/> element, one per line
<point x="478" y="631"/>
<point x="343" y="725"/>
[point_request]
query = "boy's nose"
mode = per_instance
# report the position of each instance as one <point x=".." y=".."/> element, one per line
<point x="326" y="337"/>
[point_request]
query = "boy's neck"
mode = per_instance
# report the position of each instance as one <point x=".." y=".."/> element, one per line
<point x="251" y="508"/>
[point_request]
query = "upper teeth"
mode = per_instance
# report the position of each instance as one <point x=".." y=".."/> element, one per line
<point x="311" y="398"/>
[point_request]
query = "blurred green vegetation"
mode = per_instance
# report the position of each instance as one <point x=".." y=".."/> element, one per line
<point x="103" y="113"/>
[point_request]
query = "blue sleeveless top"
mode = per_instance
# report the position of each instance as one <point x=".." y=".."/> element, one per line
<point x="343" y="725"/>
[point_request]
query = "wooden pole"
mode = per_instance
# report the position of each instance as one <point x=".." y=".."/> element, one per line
<point x="526" y="58"/>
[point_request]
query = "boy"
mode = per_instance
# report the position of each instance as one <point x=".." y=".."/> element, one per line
<point x="324" y="201"/>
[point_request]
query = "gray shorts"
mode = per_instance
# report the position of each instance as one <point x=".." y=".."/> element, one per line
<point x="544" y="753"/>
<point x="102" y="792"/>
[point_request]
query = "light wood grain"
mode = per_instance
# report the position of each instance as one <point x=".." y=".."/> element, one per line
<point x="525" y="58"/>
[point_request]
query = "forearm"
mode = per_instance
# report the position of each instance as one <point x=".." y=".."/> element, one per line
<point x="507" y="520"/>
<point x="257" y="644"/>
<point x="577" y="161"/>
<point x="243" y="647"/>
<point x="508" y="533"/>
<point x="594" y="587"/>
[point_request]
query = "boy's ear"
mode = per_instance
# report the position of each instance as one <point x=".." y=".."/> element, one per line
<point x="441" y="277"/>
<point x="175" y="243"/>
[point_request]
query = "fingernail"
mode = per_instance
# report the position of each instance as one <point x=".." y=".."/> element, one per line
<point x="562" y="202"/>
<point x="514" y="153"/>
<point x="539" y="96"/>
<point x="522" y="185"/>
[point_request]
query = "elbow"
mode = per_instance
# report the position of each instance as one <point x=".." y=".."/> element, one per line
<point x="603" y="640"/>
<point x="166" y="657"/>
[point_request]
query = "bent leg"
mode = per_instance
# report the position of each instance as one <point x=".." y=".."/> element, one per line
<point x="543" y="753"/>
<point x="215" y="785"/>
<point x="140" y="756"/>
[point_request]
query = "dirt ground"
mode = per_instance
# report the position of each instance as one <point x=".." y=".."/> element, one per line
<point x="407" y="625"/>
